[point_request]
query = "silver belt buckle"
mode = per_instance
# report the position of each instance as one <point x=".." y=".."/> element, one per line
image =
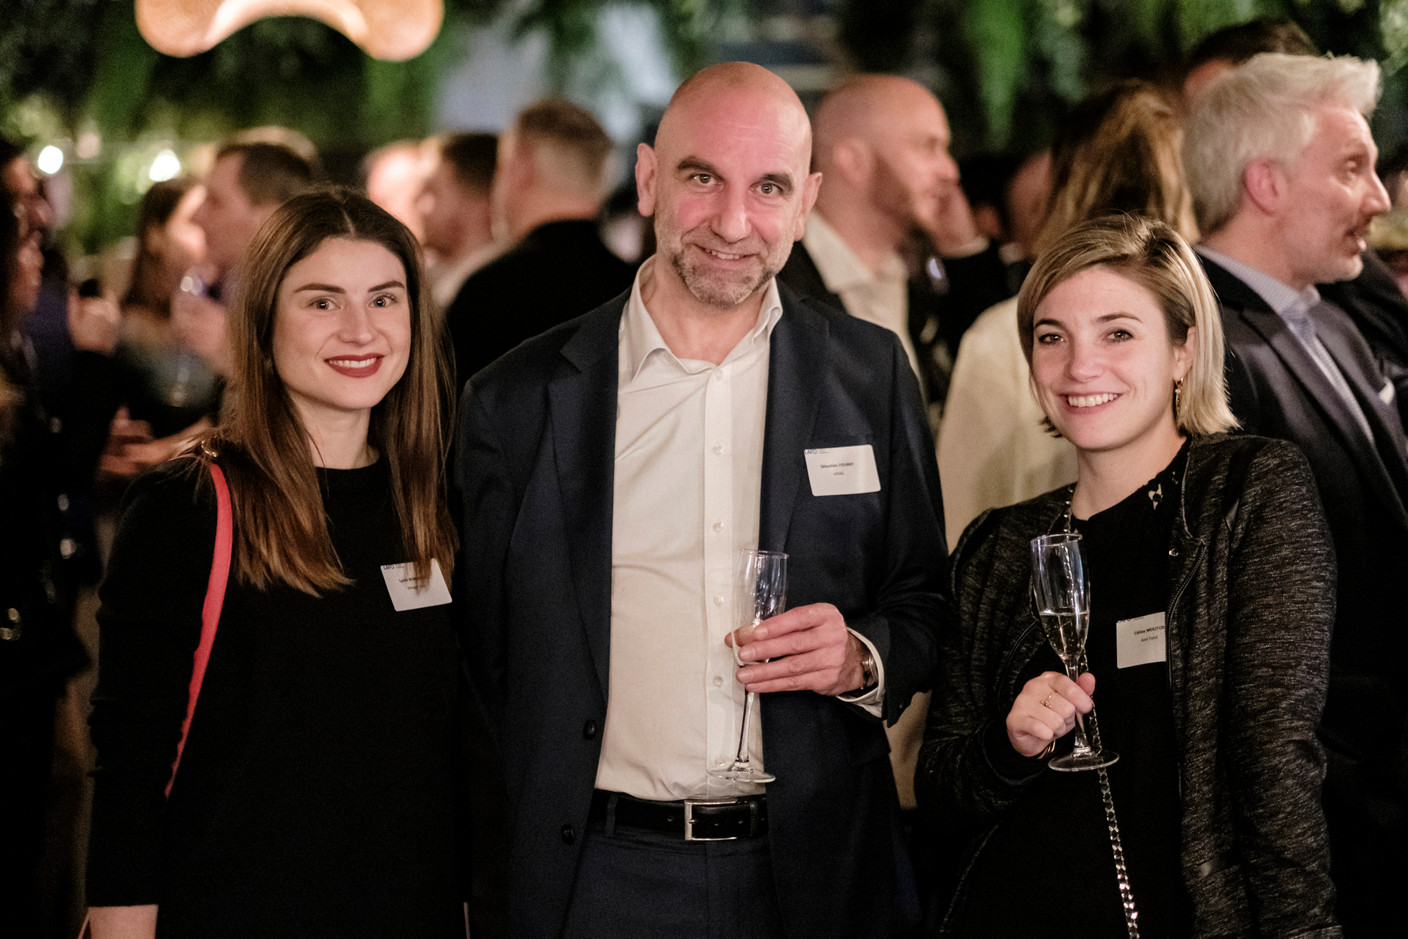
<point x="689" y="805"/>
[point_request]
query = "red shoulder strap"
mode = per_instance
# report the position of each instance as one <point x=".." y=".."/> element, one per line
<point x="214" y="600"/>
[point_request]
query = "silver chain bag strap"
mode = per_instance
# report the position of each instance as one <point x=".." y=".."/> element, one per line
<point x="1131" y="915"/>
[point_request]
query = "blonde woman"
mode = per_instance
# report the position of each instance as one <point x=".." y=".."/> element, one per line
<point x="1119" y="152"/>
<point x="1212" y="598"/>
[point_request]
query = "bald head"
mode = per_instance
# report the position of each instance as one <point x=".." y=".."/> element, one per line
<point x="736" y="86"/>
<point x="864" y="105"/>
<point x="728" y="182"/>
<point x="882" y="143"/>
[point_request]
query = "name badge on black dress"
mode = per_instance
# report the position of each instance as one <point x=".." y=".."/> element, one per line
<point x="405" y="595"/>
<point x="1140" y="641"/>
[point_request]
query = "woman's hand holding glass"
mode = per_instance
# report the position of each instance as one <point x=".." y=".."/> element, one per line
<point x="1046" y="710"/>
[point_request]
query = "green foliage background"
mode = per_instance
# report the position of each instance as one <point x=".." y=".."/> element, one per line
<point x="1007" y="70"/>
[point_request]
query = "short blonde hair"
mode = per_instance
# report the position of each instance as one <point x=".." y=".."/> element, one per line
<point x="1154" y="256"/>
<point x="1262" y="110"/>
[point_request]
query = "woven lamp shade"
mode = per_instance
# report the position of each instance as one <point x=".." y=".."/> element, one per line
<point x="385" y="29"/>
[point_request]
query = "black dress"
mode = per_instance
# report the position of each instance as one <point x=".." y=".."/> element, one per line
<point x="316" y="794"/>
<point x="1047" y="868"/>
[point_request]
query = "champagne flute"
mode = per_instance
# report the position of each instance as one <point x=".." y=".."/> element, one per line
<point x="759" y="591"/>
<point x="1061" y="592"/>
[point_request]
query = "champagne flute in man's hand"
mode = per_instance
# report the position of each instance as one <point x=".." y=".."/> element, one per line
<point x="759" y="592"/>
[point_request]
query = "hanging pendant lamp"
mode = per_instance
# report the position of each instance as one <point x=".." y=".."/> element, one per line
<point x="385" y="29"/>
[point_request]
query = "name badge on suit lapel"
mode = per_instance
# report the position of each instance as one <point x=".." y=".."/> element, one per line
<point x="842" y="471"/>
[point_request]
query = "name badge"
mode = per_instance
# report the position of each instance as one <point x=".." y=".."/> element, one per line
<point x="843" y="471"/>
<point x="1140" y="641"/>
<point x="405" y="595"/>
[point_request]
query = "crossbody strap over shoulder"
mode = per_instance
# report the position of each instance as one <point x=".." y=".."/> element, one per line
<point x="214" y="601"/>
<point x="209" y="620"/>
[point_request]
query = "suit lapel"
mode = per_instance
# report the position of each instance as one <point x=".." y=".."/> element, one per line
<point x="1299" y="363"/>
<point x="797" y="366"/>
<point x="582" y="399"/>
<point x="1384" y="479"/>
<point x="802" y="275"/>
<point x="1337" y="334"/>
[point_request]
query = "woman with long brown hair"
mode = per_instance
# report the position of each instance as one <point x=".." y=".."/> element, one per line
<point x="315" y="793"/>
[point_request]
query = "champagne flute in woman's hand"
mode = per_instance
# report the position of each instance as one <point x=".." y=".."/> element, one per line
<point x="1061" y="592"/>
<point x="759" y="591"/>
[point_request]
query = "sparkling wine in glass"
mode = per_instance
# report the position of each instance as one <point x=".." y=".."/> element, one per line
<point x="1061" y="592"/>
<point x="759" y="591"/>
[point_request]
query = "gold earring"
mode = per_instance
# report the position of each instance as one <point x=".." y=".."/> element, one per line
<point x="1177" y="391"/>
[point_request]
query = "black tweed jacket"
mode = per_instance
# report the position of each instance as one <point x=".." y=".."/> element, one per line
<point x="1251" y="605"/>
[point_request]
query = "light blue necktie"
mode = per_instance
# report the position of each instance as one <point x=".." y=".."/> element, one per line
<point x="1298" y="317"/>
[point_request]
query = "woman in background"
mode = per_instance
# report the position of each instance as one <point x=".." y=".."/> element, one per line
<point x="170" y="394"/>
<point x="1212" y="597"/>
<point x="1119" y="152"/>
<point x="316" y="790"/>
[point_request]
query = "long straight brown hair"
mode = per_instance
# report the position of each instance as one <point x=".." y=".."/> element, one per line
<point x="281" y="531"/>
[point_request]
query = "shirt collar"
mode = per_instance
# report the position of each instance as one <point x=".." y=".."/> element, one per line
<point x="1278" y="295"/>
<point x="838" y="265"/>
<point x="640" y="338"/>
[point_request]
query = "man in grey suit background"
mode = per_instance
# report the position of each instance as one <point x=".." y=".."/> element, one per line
<point x="611" y="469"/>
<point x="1280" y="161"/>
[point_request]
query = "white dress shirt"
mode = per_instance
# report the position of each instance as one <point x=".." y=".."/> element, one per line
<point x="689" y="459"/>
<point x="880" y="297"/>
<point x="686" y="499"/>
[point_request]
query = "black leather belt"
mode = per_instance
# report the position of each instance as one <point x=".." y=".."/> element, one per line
<point x="692" y="820"/>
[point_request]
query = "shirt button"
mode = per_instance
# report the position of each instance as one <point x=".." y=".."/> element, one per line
<point x="718" y="449"/>
<point x="589" y="729"/>
<point x="718" y="681"/>
<point x="718" y="600"/>
<point x="718" y="526"/>
<point x="569" y="834"/>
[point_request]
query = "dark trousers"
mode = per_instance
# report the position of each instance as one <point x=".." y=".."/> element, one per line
<point x="633" y="883"/>
<point x="1368" y="831"/>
